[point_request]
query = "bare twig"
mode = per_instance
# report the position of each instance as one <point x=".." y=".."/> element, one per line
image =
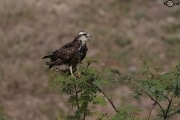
<point x="110" y="100"/>
<point x="84" y="115"/>
<point x="149" y="71"/>
<point x="167" y="110"/>
<point x="169" y="100"/>
<point x="156" y="102"/>
<point x="165" y="113"/>
<point x="76" y="92"/>
<point x="151" y="110"/>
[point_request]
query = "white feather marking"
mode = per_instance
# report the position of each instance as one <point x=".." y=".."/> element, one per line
<point x="83" y="39"/>
<point x="80" y="47"/>
<point x="81" y="33"/>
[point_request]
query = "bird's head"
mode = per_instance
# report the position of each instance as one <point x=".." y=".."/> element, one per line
<point x="84" y="36"/>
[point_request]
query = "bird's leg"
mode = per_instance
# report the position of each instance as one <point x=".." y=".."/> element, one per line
<point x="78" y="73"/>
<point x="56" y="68"/>
<point x="70" y="68"/>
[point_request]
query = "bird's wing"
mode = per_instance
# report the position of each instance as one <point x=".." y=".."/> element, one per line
<point x="67" y="45"/>
<point x="66" y="52"/>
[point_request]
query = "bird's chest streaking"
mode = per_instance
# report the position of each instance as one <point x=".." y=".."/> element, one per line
<point x="80" y="54"/>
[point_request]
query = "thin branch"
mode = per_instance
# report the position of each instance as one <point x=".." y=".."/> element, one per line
<point x="84" y="115"/>
<point x="147" y="67"/>
<point x="167" y="110"/>
<point x="151" y="110"/>
<point x="76" y="92"/>
<point x="172" y="114"/>
<point x="156" y="102"/>
<point x="110" y="100"/>
<point x="169" y="100"/>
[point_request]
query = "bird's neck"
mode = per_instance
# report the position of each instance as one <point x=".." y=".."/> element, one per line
<point x="83" y="43"/>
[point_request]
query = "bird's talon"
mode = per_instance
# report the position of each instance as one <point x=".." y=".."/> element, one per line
<point x="78" y="75"/>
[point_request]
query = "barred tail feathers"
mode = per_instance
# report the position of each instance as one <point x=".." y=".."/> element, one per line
<point x="50" y="64"/>
<point x="47" y="56"/>
<point x="53" y="63"/>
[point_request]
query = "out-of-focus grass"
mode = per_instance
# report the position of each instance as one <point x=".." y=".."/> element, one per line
<point x="173" y="47"/>
<point x="3" y="115"/>
<point x="172" y="28"/>
<point x="120" y="30"/>
<point x="120" y="39"/>
<point x="173" y="40"/>
<point x="9" y="18"/>
<point x="119" y="6"/>
<point x="175" y="13"/>
<point x="151" y="33"/>
<point x="140" y="15"/>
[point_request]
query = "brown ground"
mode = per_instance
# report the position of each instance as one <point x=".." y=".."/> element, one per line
<point x="122" y="31"/>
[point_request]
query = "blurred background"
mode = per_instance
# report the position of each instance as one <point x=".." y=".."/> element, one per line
<point x="122" y="31"/>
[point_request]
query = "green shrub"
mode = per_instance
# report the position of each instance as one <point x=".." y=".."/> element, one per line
<point x="87" y="88"/>
<point x="3" y="115"/>
<point x="160" y="87"/>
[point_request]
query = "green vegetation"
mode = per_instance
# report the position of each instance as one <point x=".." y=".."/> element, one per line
<point x="83" y="89"/>
<point x="14" y="17"/>
<point x="3" y="116"/>
<point x="172" y="28"/>
<point x="121" y="29"/>
<point x="160" y="87"/>
<point x="174" y="40"/>
<point x="173" y="45"/>
<point x="140" y="15"/>
<point x="175" y="13"/>
<point x="120" y="40"/>
<point x="86" y="89"/>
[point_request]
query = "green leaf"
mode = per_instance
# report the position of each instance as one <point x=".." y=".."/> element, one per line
<point x="99" y="100"/>
<point x="127" y="112"/>
<point x="178" y="111"/>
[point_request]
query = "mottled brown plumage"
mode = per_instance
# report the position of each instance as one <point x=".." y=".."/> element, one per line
<point x="70" y="54"/>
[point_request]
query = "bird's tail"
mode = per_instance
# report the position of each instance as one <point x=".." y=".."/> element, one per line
<point x="47" y="56"/>
<point x="53" y="63"/>
<point x="50" y="64"/>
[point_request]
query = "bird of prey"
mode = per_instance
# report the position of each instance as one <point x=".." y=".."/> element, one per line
<point x="70" y="54"/>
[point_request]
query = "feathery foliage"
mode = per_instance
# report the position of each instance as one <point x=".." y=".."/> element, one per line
<point x="86" y="88"/>
<point x="160" y="87"/>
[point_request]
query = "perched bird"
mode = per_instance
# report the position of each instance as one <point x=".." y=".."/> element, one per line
<point x="70" y="54"/>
